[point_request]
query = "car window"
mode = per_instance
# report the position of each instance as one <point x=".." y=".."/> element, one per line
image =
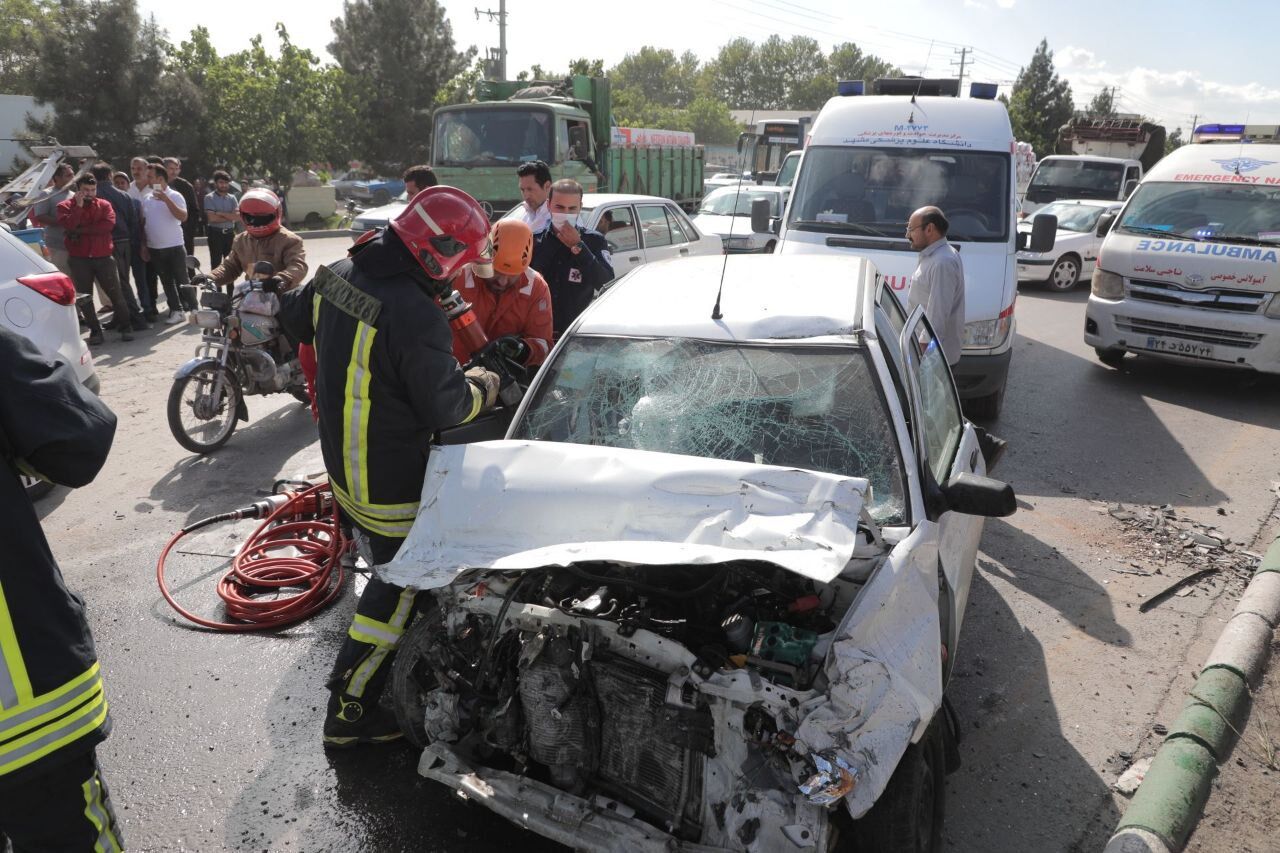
<point x="818" y="408"/>
<point x="653" y="222"/>
<point x="888" y="300"/>
<point x="678" y="233"/>
<point x="690" y="232"/>
<point x="940" y="418"/>
<point x="618" y="225"/>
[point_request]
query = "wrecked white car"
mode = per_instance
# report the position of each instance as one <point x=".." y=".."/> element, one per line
<point x="705" y="595"/>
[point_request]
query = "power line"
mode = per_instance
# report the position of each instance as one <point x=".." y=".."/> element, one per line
<point x="785" y="11"/>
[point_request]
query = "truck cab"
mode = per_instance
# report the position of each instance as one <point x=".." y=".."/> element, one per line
<point x="1077" y="176"/>
<point x="871" y="160"/>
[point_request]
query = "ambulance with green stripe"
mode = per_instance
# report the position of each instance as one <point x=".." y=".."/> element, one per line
<point x="1190" y="268"/>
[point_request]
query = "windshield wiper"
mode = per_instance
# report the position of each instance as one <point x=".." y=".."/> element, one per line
<point x="857" y="227"/>
<point x="1158" y="232"/>
<point x="1238" y="240"/>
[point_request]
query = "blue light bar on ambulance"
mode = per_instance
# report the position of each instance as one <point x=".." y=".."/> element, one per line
<point x="845" y="88"/>
<point x="985" y="91"/>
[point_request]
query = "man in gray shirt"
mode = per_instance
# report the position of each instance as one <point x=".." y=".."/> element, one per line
<point x="220" y="206"/>
<point x="938" y="282"/>
<point x="45" y="215"/>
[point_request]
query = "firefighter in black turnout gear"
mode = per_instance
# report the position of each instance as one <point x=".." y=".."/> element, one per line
<point x="53" y="711"/>
<point x="386" y="381"/>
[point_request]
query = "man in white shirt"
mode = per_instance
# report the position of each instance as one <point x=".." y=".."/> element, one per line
<point x="938" y="282"/>
<point x="163" y="212"/>
<point x="535" y="189"/>
<point x="144" y="273"/>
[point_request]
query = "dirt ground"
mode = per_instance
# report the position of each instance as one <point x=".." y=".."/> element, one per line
<point x="1243" y="812"/>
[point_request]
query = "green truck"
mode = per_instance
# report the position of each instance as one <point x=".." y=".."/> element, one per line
<point x="478" y="146"/>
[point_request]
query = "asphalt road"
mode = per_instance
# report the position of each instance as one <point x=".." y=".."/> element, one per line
<point x="216" y="742"/>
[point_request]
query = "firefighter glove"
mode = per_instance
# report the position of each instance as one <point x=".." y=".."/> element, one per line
<point x="512" y="348"/>
<point x="487" y="381"/>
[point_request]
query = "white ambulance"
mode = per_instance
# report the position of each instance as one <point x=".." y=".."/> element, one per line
<point x="872" y="160"/>
<point x="1190" y="270"/>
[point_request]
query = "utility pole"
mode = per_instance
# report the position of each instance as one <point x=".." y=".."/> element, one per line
<point x="501" y="17"/>
<point x="964" y="56"/>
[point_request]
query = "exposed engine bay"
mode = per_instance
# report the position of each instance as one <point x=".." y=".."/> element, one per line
<point x="670" y="694"/>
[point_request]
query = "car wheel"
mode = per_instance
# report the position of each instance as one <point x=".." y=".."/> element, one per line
<point x="313" y="219"/>
<point x="381" y="197"/>
<point x="908" y="816"/>
<point x="412" y="677"/>
<point x="984" y="408"/>
<point x="1110" y="357"/>
<point x="1065" y="274"/>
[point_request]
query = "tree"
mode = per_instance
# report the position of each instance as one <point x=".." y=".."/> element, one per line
<point x="20" y="23"/>
<point x="1103" y="104"/>
<point x="733" y="75"/>
<point x="404" y="52"/>
<point x="103" y="95"/>
<point x="710" y="122"/>
<point x="848" y="62"/>
<point x="1041" y="103"/>
<point x="587" y="67"/>
<point x="656" y="75"/>
<point x="1174" y="141"/>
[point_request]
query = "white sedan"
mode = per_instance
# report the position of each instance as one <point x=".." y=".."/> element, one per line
<point x="725" y="598"/>
<point x="727" y="214"/>
<point x="1075" y="250"/>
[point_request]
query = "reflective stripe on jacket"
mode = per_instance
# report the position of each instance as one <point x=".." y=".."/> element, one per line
<point x="52" y="704"/>
<point x="386" y="379"/>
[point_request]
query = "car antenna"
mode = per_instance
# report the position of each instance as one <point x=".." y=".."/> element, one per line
<point x="737" y="194"/>
<point x="911" y="119"/>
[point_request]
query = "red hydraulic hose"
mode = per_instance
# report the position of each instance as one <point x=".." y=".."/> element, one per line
<point x="306" y="527"/>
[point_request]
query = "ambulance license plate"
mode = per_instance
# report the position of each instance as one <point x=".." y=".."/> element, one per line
<point x="1173" y="346"/>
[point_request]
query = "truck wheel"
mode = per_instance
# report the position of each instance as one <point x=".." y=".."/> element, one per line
<point x="985" y="408"/>
<point x="1064" y="275"/>
<point x="908" y="816"/>
<point x="1110" y="357"/>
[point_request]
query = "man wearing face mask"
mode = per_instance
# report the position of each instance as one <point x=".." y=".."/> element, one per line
<point x="574" y="260"/>
<point x="511" y="301"/>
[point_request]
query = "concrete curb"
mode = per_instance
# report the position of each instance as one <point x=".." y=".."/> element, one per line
<point x="1170" y="800"/>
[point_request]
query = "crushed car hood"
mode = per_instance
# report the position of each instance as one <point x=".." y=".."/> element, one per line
<point x="512" y="505"/>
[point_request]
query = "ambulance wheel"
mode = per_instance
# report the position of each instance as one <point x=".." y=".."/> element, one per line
<point x="985" y="408"/>
<point x="1110" y="357"/>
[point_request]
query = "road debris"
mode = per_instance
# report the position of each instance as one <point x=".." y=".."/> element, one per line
<point x="1160" y="535"/>
<point x="1132" y="778"/>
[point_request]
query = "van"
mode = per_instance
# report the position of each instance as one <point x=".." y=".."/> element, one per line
<point x="872" y="160"/>
<point x="1190" y="270"/>
<point x="1077" y="176"/>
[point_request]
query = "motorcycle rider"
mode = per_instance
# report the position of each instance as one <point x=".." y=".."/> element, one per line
<point x="387" y="380"/>
<point x="264" y="239"/>
<point x="511" y="301"/>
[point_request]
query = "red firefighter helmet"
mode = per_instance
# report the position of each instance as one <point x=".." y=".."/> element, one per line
<point x="260" y="212"/>
<point x="445" y="229"/>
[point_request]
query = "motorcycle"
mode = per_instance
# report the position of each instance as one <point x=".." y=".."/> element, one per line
<point x="242" y="351"/>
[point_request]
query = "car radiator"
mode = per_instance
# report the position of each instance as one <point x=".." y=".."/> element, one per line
<point x="640" y="762"/>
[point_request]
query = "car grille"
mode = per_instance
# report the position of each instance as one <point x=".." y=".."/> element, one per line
<point x="1200" y="334"/>
<point x="1239" y="301"/>
<point x="637" y="763"/>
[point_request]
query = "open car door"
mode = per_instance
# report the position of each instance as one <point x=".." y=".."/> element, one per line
<point x="946" y="445"/>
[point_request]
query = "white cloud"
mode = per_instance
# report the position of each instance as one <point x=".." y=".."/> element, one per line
<point x="1175" y="96"/>
<point x="1006" y="4"/>
<point x="1077" y="57"/>
<point x="974" y="4"/>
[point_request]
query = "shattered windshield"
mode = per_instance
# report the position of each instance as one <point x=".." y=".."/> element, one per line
<point x="817" y="408"/>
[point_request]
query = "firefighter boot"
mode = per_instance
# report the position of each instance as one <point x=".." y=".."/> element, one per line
<point x="349" y="723"/>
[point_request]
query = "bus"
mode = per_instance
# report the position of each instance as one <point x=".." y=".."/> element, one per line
<point x="767" y="144"/>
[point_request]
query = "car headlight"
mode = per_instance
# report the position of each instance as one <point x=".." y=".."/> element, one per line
<point x="1107" y="285"/>
<point x="985" y="334"/>
<point x="361" y="225"/>
<point x="1273" y="310"/>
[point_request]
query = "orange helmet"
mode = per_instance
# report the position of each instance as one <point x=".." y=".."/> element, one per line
<point x="444" y="229"/>
<point x="260" y="212"/>
<point x="512" y="246"/>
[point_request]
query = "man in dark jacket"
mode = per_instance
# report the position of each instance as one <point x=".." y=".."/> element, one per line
<point x="127" y="231"/>
<point x="574" y="260"/>
<point x="180" y="185"/>
<point x="53" y="712"/>
<point x="386" y="382"/>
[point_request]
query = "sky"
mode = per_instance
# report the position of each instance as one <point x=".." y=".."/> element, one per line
<point x="1170" y="60"/>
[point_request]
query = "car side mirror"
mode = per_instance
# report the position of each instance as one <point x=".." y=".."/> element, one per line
<point x="1105" y="221"/>
<point x="971" y="494"/>
<point x="1129" y="187"/>
<point x="760" y="219"/>
<point x="1044" y="232"/>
